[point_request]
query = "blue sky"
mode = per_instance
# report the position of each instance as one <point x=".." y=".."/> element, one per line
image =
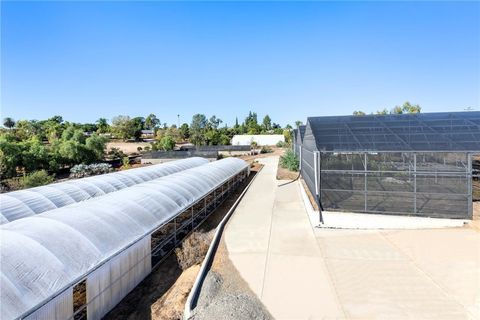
<point x="85" y="60"/>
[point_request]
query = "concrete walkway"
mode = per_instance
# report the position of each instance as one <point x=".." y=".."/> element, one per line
<point x="300" y="272"/>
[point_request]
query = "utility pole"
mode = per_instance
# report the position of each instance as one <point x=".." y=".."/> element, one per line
<point x="178" y="121"/>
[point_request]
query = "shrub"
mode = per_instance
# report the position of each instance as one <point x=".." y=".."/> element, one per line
<point x="84" y="170"/>
<point x="126" y="163"/>
<point x="115" y="153"/>
<point x="281" y="144"/>
<point x="289" y="161"/>
<point x="36" y="179"/>
<point x="266" y="149"/>
<point x="193" y="249"/>
<point x="167" y="143"/>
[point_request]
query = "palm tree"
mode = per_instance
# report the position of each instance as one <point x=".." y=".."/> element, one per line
<point x="102" y="125"/>
<point x="9" y="122"/>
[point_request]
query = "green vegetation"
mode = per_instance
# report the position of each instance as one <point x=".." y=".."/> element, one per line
<point x="126" y="163"/>
<point x="36" y="179"/>
<point x="405" y="108"/>
<point x="47" y="145"/>
<point x="53" y="145"/>
<point x="289" y="161"/>
<point x="266" y="149"/>
<point x="167" y="143"/>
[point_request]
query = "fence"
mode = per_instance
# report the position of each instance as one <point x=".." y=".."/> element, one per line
<point x="217" y="148"/>
<point x="180" y="154"/>
<point x="433" y="184"/>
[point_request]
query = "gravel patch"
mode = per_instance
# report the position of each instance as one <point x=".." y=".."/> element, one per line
<point x="225" y="293"/>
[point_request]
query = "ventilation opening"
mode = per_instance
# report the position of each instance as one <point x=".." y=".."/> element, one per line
<point x="80" y="300"/>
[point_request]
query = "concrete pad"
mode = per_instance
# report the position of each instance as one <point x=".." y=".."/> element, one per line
<point x="450" y="257"/>
<point x="251" y="267"/>
<point x="302" y="272"/>
<point x="368" y="289"/>
<point x="290" y="294"/>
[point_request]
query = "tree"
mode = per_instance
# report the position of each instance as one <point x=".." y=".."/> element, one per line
<point x="123" y="127"/>
<point x="26" y="129"/>
<point x="197" y="129"/>
<point x="174" y="133"/>
<point x="96" y="144"/>
<point x="34" y="154"/>
<point x="408" y="108"/>
<point x="267" y="123"/>
<point x="88" y="127"/>
<point x="139" y="125"/>
<point x="212" y="137"/>
<point x="184" y="131"/>
<point x="9" y="156"/>
<point x="251" y="123"/>
<point x="152" y="122"/>
<point x="214" y="122"/>
<point x="382" y="112"/>
<point x="8" y="123"/>
<point x="298" y="123"/>
<point x="358" y="113"/>
<point x="102" y="125"/>
<point x="56" y="119"/>
<point x="167" y="143"/>
<point x="405" y="108"/>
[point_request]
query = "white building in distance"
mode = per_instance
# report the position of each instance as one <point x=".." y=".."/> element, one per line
<point x="260" y="139"/>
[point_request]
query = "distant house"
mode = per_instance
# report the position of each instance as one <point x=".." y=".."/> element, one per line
<point x="147" y="134"/>
<point x="260" y="139"/>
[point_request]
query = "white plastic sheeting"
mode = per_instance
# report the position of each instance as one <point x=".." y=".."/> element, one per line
<point x="107" y="285"/>
<point x="25" y="203"/>
<point x="47" y="253"/>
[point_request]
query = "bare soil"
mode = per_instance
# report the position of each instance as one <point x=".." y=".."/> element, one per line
<point x="127" y="147"/>
<point x="162" y="295"/>
<point x="285" y="174"/>
<point x="309" y="195"/>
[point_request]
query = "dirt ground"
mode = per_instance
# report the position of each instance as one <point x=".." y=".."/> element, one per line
<point x="162" y="295"/>
<point x="127" y="147"/>
<point x="276" y="151"/>
<point x="285" y="174"/>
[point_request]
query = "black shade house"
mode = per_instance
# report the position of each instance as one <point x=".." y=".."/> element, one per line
<point x="412" y="164"/>
<point x="298" y="135"/>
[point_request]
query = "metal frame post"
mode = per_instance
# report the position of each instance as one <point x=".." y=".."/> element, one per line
<point x="365" y="191"/>
<point x="300" y="159"/>
<point x="469" y="177"/>
<point x="414" y="183"/>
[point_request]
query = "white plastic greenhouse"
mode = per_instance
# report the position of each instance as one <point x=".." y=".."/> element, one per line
<point x="79" y="261"/>
<point x="25" y="203"/>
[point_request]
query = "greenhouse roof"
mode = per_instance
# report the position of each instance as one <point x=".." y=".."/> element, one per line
<point x="28" y="202"/>
<point x="301" y="130"/>
<point x="446" y="131"/>
<point x="43" y="254"/>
